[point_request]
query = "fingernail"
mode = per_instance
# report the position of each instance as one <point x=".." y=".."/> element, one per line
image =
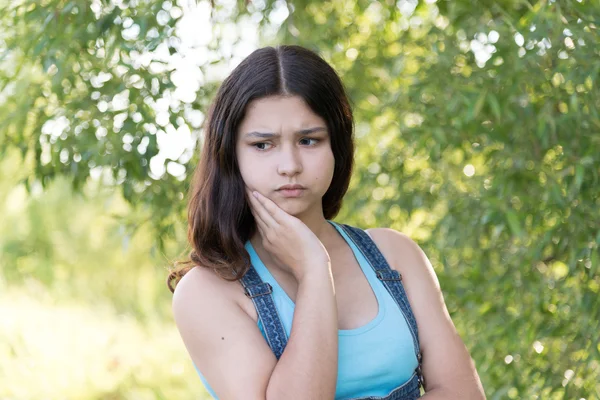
<point x="255" y="194"/>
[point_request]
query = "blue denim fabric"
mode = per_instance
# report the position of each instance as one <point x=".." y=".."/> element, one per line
<point x="261" y="294"/>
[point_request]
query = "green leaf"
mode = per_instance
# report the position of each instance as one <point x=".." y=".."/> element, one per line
<point x="579" y="172"/>
<point x="479" y="104"/>
<point x="495" y="106"/>
<point x="513" y="223"/>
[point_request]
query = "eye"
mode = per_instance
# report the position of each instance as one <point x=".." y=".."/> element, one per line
<point x="257" y="145"/>
<point x="315" y="140"/>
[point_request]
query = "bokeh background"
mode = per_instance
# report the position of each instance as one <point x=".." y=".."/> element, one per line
<point x="478" y="134"/>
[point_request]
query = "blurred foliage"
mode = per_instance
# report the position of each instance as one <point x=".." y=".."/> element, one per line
<point x="85" y="313"/>
<point x="478" y="132"/>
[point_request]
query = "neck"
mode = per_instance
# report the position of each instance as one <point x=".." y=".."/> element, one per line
<point x="316" y="222"/>
<point x="319" y="226"/>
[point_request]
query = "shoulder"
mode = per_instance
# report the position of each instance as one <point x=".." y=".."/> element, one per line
<point x="401" y="252"/>
<point x="194" y="283"/>
<point x="418" y="276"/>
<point x="446" y="361"/>
<point x="387" y="236"/>
<point x="219" y="336"/>
<point x="191" y="292"/>
<point x="201" y="287"/>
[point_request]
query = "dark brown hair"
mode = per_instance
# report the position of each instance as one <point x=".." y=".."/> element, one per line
<point x="219" y="219"/>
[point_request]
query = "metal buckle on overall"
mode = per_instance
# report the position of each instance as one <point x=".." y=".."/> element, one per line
<point x="267" y="289"/>
<point x="388" y="275"/>
<point x="420" y="376"/>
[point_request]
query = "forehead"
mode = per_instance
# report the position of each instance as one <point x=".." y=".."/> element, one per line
<point x="279" y="113"/>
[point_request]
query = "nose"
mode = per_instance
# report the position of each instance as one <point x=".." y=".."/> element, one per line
<point x="290" y="163"/>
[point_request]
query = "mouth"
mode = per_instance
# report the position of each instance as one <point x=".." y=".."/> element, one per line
<point x="290" y="193"/>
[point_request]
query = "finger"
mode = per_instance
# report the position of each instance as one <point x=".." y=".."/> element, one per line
<point x="263" y="212"/>
<point x="250" y="200"/>
<point x="272" y="209"/>
<point x="260" y="224"/>
<point x="260" y="228"/>
<point x="253" y="204"/>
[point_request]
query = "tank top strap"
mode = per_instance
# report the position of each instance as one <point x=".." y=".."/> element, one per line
<point x="261" y="294"/>
<point x="391" y="279"/>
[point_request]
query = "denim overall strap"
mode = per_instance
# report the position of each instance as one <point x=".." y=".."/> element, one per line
<point x="261" y="295"/>
<point x="407" y="391"/>
<point x="392" y="281"/>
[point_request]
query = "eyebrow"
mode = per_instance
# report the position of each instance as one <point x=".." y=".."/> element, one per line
<point x="266" y="135"/>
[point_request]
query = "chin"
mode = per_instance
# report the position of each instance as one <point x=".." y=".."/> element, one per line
<point x="292" y="206"/>
<point x="291" y="209"/>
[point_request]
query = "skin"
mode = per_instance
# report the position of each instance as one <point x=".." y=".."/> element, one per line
<point x="288" y="229"/>
<point x="287" y="157"/>
<point x="288" y="143"/>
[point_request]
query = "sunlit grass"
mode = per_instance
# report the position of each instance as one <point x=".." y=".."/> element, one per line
<point x="53" y="349"/>
<point x="84" y="309"/>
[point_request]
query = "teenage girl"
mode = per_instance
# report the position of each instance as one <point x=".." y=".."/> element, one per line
<point x="277" y="300"/>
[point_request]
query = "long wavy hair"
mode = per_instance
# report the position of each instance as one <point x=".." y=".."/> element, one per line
<point x="219" y="218"/>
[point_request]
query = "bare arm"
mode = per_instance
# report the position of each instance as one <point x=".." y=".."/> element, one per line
<point x="228" y="348"/>
<point x="226" y="344"/>
<point x="448" y="369"/>
<point x="307" y="368"/>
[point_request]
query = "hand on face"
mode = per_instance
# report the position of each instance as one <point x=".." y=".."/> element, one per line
<point x="286" y="237"/>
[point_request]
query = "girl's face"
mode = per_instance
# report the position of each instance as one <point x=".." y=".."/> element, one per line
<point x="281" y="141"/>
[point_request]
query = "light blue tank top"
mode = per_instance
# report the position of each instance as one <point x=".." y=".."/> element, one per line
<point x="372" y="359"/>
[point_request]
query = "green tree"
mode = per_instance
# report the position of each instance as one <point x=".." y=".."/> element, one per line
<point x="477" y="130"/>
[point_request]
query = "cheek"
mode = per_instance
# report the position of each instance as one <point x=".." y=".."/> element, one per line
<point x="330" y="161"/>
<point x="248" y="168"/>
<point x="247" y="176"/>
<point x="243" y="165"/>
<point x="325" y="169"/>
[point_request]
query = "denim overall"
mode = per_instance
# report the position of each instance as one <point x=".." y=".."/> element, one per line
<point x="261" y="294"/>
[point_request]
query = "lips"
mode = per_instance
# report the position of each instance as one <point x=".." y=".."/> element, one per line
<point x="291" y="187"/>
<point x="291" y="191"/>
